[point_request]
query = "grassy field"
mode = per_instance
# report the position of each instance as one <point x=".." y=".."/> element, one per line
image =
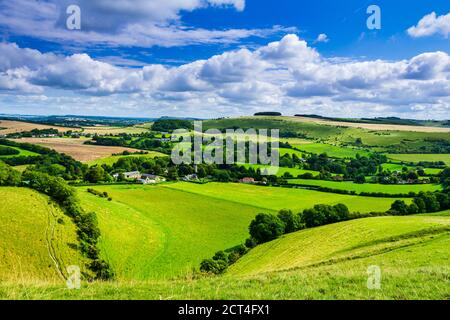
<point x="76" y="148"/>
<point x="332" y="151"/>
<point x="281" y="170"/>
<point x="33" y="245"/>
<point x="157" y="232"/>
<point x="22" y="152"/>
<point x="343" y="242"/>
<point x="164" y="231"/>
<point x="421" y="157"/>
<point x="372" y="135"/>
<point x="275" y="198"/>
<point x="113" y="159"/>
<point x="399" y="167"/>
<point x="329" y="262"/>
<point x="367" y="187"/>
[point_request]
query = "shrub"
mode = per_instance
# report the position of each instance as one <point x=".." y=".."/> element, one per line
<point x="399" y="207"/>
<point x="9" y="176"/>
<point x="291" y="221"/>
<point x="266" y="227"/>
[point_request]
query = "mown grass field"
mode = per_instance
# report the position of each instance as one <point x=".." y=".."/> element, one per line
<point x="412" y="253"/>
<point x="34" y="246"/>
<point x="113" y="159"/>
<point x="368" y="187"/>
<point x="421" y="157"/>
<point x="276" y="198"/>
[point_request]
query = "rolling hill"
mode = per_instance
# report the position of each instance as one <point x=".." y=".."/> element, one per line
<point x="37" y="241"/>
<point x="329" y="262"/>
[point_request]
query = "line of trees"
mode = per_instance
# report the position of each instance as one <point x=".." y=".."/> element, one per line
<point x="268" y="227"/>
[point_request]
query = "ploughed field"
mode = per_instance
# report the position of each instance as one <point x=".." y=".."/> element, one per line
<point x="76" y="148"/>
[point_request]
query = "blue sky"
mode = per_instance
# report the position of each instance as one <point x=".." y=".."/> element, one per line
<point x="209" y="58"/>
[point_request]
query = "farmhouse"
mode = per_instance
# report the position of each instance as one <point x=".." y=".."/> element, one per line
<point x="143" y="178"/>
<point x="247" y="180"/>
<point x="132" y="175"/>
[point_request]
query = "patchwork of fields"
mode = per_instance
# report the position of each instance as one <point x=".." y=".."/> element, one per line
<point x="7" y="127"/>
<point x="154" y="237"/>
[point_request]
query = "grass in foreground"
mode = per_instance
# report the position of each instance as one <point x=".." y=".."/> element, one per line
<point x="412" y="255"/>
<point x="37" y="241"/>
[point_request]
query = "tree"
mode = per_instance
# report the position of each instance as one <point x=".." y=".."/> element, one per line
<point x="445" y="177"/>
<point x="8" y="176"/>
<point x="399" y="207"/>
<point x="290" y="220"/>
<point x="360" y="179"/>
<point x="413" y="208"/>
<point x="313" y="218"/>
<point x="342" y="212"/>
<point x="266" y="227"/>
<point x="95" y="174"/>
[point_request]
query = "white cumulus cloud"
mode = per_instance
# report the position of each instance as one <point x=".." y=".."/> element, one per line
<point x="431" y="24"/>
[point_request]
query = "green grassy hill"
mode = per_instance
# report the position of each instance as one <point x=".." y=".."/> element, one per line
<point x="328" y="262"/>
<point x="153" y="232"/>
<point x="164" y="231"/>
<point x="351" y="240"/>
<point x="37" y="241"/>
<point x="113" y="159"/>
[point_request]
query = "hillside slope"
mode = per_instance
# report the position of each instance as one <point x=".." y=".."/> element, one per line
<point x="153" y="232"/>
<point x="412" y="253"/>
<point x="351" y="240"/>
<point x="37" y="241"/>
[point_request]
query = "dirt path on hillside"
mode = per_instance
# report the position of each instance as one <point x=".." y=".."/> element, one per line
<point x="49" y="235"/>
